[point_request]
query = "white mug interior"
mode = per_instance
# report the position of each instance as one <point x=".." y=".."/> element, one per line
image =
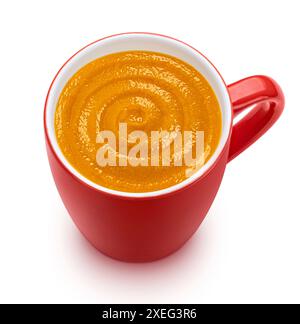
<point x="146" y="42"/>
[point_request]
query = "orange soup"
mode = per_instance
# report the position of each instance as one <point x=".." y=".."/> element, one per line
<point x="139" y="91"/>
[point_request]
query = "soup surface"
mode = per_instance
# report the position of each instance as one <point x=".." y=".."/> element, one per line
<point x="145" y="91"/>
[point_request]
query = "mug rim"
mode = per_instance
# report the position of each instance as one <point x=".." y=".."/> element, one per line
<point x="204" y="170"/>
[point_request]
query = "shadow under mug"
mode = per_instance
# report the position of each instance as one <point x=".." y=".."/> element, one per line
<point x="141" y="227"/>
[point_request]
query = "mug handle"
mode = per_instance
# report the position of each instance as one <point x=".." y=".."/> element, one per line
<point x="268" y="102"/>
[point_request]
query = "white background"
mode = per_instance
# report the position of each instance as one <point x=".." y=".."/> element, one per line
<point x="248" y="248"/>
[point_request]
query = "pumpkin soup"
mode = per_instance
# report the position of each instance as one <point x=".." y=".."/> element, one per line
<point x="135" y="91"/>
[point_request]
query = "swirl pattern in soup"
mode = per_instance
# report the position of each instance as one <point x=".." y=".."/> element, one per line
<point x="148" y="91"/>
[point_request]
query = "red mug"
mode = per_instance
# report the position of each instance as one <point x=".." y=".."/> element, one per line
<point x="141" y="227"/>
